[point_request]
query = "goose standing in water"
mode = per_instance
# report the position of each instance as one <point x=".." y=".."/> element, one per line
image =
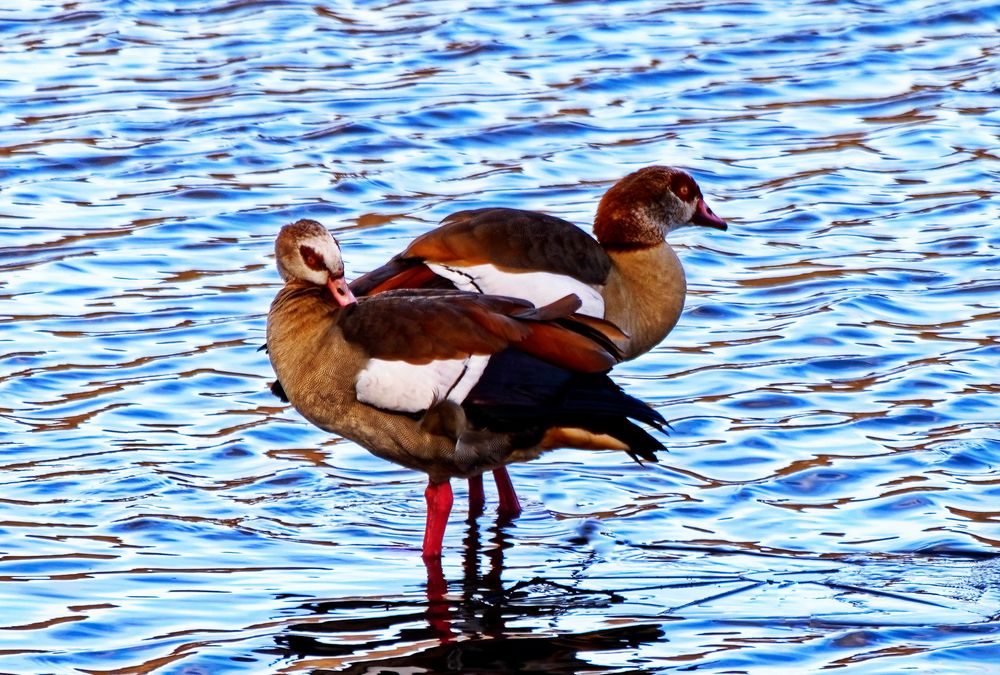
<point x="447" y="382"/>
<point x="629" y="275"/>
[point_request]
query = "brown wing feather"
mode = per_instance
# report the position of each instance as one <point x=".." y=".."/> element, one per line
<point x="563" y="347"/>
<point x="398" y="273"/>
<point x="614" y="339"/>
<point x="417" y="329"/>
<point x="513" y="239"/>
<point x="420" y="326"/>
<point x="563" y="307"/>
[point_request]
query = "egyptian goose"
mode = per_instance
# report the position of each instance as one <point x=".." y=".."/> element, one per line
<point x="446" y="382"/>
<point x="629" y="275"/>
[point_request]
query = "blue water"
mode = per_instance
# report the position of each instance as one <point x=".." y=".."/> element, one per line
<point x="831" y="496"/>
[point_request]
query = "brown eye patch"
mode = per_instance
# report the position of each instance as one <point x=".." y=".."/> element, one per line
<point x="311" y="258"/>
<point x="684" y="187"/>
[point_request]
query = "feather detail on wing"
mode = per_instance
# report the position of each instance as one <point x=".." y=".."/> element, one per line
<point x="502" y="252"/>
<point x="398" y="273"/>
<point x="421" y="326"/>
<point x="514" y="240"/>
<point x="518" y="392"/>
<point x="427" y="346"/>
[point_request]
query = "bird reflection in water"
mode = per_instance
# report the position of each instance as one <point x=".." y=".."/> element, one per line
<point x="475" y="585"/>
<point x="464" y="630"/>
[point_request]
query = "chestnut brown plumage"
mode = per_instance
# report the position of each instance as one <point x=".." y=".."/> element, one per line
<point x="636" y="278"/>
<point x="629" y="275"/>
<point x="447" y="382"/>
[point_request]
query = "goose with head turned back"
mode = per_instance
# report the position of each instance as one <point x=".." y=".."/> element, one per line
<point x="447" y="382"/>
<point x="629" y="275"/>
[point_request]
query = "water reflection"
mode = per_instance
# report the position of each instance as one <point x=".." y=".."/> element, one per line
<point x="476" y="622"/>
<point x="468" y="625"/>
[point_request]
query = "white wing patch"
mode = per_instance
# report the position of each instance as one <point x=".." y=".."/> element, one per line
<point x="540" y="288"/>
<point x="408" y="387"/>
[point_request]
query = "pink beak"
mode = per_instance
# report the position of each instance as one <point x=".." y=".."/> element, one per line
<point x="341" y="291"/>
<point x="704" y="216"/>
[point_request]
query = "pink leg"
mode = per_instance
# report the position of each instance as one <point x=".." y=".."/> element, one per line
<point x="477" y="498"/>
<point x="505" y="489"/>
<point x="439" y="499"/>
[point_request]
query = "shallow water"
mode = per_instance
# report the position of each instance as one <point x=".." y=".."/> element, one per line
<point x="831" y="495"/>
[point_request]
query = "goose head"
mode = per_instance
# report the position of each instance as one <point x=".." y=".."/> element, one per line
<point x="646" y="205"/>
<point x="306" y="251"/>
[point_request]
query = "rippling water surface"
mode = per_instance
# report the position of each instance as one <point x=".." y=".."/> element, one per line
<point x="832" y="494"/>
